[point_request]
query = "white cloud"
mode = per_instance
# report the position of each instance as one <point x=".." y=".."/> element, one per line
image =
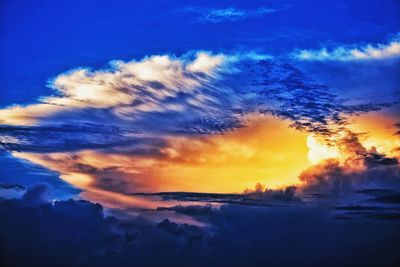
<point x="216" y="15"/>
<point x="352" y="53"/>
<point x="127" y="88"/>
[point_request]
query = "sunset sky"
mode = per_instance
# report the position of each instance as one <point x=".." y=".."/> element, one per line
<point x="200" y="118"/>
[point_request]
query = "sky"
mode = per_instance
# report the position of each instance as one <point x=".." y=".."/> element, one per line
<point x="188" y="130"/>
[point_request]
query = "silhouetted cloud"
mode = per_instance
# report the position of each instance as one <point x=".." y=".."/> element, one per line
<point x="267" y="198"/>
<point x="77" y="233"/>
<point x="37" y="194"/>
<point x="16" y="187"/>
<point x="285" y="91"/>
<point x="191" y="210"/>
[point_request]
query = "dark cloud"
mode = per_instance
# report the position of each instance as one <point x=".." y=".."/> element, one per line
<point x="12" y="186"/>
<point x="37" y="194"/>
<point x="379" y="204"/>
<point x="392" y="198"/>
<point x="263" y="193"/>
<point x="65" y="233"/>
<point x="267" y="198"/>
<point x="9" y="190"/>
<point x="191" y="210"/>
<point x="285" y="91"/>
<point x="210" y="126"/>
<point x="367" y="212"/>
<point x="189" y="231"/>
<point x="60" y="138"/>
<point x="77" y="233"/>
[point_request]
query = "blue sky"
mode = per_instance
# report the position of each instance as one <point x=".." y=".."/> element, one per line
<point x="204" y="133"/>
<point x="43" y="39"/>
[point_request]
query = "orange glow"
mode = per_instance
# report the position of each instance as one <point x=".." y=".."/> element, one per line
<point x="266" y="151"/>
<point x="380" y="132"/>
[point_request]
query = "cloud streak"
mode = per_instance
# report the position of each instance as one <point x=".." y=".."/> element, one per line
<point x="231" y="14"/>
<point x="352" y="53"/>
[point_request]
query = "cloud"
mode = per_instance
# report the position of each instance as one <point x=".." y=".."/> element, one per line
<point x="285" y="91"/>
<point x="16" y="187"/>
<point x="8" y="190"/>
<point x="84" y="230"/>
<point x="358" y="169"/>
<point x="192" y="210"/>
<point x="157" y="85"/>
<point x="37" y="194"/>
<point x="267" y="198"/>
<point x="231" y="14"/>
<point x="352" y="53"/>
<point x="234" y="235"/>
<point x="64" y="137"/>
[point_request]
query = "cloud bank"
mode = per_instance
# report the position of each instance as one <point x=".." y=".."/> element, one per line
<point x="89" y="237"/>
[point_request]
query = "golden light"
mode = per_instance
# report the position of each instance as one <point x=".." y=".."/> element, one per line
<point x="318" y="151"/>
<point x="262" y="152"/>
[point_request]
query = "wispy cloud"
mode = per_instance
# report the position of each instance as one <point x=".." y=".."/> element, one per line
<point x="217" y="15"/>
<point x="352" y="52"/>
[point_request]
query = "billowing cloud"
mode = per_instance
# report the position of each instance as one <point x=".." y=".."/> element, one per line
<point x="230" y="14"/>
<point x="352" y="53"/>
<point x="358" y="168"/>
<point x="130" y="91"/>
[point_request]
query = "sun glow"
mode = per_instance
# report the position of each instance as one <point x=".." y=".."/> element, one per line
<point x="318" y="151"/>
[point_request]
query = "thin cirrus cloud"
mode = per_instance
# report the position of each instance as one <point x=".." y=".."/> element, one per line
<point x="352" y="53"/>
<point x="231" y="14"/>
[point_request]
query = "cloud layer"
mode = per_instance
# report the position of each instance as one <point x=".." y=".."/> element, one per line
<point x="89" y="237"/>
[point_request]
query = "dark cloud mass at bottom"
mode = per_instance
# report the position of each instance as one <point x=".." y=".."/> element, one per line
<point x="77" y="233"/>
